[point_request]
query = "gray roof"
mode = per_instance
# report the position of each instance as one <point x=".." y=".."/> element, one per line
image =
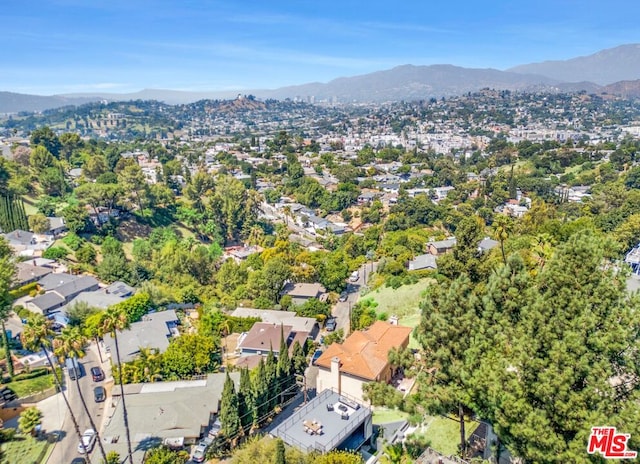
<point x="73" y="288"/>
<point x="487" y="244"/>
<point x="335" y="430"/>
<point x="97" y="299"/>
<point x="52" y="281"/>
<point x="120" y="289"/>
<point x="164" y="410"/>
<point x="426" y="261"/>
<point x="47" y="302"/>
<point x="26" y="272"/>
<point x="303" y="290"/>
<point x="270" y="316"/>
<point x="56" y="223"/>
<point x="153" y="331"/>
<point x="19" y="237"/>
<point x="443" y="244"/>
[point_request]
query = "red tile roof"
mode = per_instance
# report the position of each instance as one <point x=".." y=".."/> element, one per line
<point x="364" y="353"/>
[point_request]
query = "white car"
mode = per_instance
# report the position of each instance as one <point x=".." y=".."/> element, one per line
<point x="199" y="452"/>
<point x="88" y="441"/>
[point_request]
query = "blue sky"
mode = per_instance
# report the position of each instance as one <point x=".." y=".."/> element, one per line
<point x="65" y="46"/>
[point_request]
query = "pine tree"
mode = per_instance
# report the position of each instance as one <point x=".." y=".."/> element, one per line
<point x="271" y="370"/>
<point x="229" y="414"/>
<point x="298" y="359"/>
<point x="284" y="374"/>
<point x="260" y="394"/>
<point x="280" y="452"/>
<point x="246" y="403"/>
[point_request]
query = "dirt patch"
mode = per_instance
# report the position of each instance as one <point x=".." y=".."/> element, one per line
<point x="130" y="229"/>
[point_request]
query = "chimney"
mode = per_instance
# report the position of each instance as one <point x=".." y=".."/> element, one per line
<point x="393" y="320"/>
<point x="335" y="374"/>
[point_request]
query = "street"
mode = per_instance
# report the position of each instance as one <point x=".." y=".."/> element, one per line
<point x="67" y="448"/>
<point x="342" y="310"/>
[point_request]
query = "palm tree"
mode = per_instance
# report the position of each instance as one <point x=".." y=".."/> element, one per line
<point x="148" y="365"/>
<point x="70" y="345"/>
<point x="37" y="335"/>
<point x="113" y="321"/>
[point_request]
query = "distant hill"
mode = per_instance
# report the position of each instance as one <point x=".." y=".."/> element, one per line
<point x="618" y="68"/>
<point x="15" y="102"/>
<point x="604" y="67"/>
<point x="625" y="89"/>
<point x="410" y="82"/>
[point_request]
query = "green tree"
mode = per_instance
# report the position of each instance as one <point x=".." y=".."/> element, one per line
<point x="134" y="184"/>
<point x="280" y="452"/>
<point x="229" y="417"/>
<point x="46" y="138"/>
<point x="162" y="455"/>
<point x="113" y="458"/>
<point x="29" y="420"/>
<point x="189" y="355"/>
<point x="450" y="314"/>
<point x="76" y="218"/>
<point x="39" y="223"/>
<point x="86" y="254"/>
<point x="246" y="400"/>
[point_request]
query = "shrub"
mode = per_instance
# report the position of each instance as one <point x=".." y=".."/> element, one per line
<point x="23" y="291"/>
<point x="73" y="241"/>
<point x="55" y="253"/>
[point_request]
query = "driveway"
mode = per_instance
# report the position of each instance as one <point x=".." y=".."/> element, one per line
<point x="342" y="310"/>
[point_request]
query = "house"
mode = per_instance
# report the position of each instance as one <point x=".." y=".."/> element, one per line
<point x="182" y="410"/>
<point x="56" y="226"/>
<point x="264" y="337"/>
<point x="270" y="316"/>
<point x="440" y="247"/>
<point x="60" y="289"/>
<point x="421" y="262"/>
<point x="366" y="198"/>
<point x="328" y="422"/>
<point x="487" y="244"/>
<point x="27" y="272"/>
<point x="301" y="292"/>
<point x="361" y="358"/>
<point x="153" y="331"/>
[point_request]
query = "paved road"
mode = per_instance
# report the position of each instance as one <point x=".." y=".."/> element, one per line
<point x="342" y="310"/>
<point x="67" y="448"/>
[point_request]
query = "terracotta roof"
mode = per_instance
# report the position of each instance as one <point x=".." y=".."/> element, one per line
<point x="364" y="353"/>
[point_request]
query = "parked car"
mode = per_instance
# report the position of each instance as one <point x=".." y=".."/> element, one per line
<point x="330" y="325"/>
<point x="343" y="297"/>
<point x="88" y="441"/>
<point x="199" y="452"/>
<point x="355" y="275"/>
<point x="74" y="368"/>
<point x="215" y="429"/>
<point x="97" y="374"/>
<point x="315" y="357"/>
<point x="8" y="394"/>
<point x="99" y="394"/>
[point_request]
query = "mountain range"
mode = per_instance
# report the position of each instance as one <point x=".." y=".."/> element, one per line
<point x="614" y="70"/>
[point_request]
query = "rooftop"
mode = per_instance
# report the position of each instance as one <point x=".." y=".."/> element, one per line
<point x="364" y="354"/>
<point x="270" y="316"/>
<point x="165" y="410"/>
<point x="336" y="418"/>
<point x="303" y="290"/>
<point x="153" y="331"/>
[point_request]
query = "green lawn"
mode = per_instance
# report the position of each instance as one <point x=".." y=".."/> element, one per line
<point x="23" y="448"/>
<point x="403" y="301"/>
<point x="384" y="416"/>
<point x="444" y="433"/>
<point x="30" y="386"/>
